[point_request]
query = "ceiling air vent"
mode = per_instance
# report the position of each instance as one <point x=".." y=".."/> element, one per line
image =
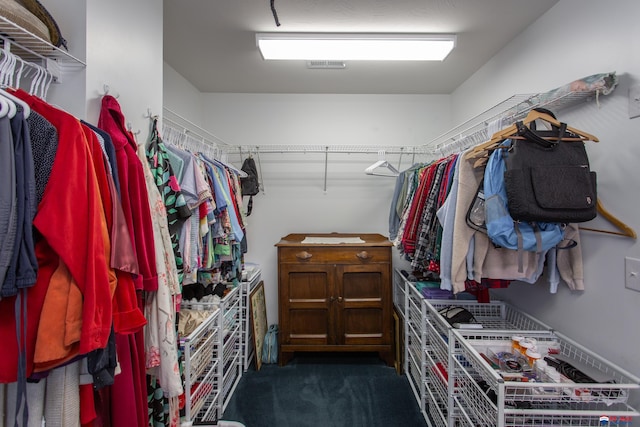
<point x="318" y="64"/>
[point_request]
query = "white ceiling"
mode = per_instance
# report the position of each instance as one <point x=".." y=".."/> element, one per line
<point x="212" y="42"/>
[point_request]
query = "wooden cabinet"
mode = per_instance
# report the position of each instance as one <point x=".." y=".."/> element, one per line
<point x="335" y="295"/>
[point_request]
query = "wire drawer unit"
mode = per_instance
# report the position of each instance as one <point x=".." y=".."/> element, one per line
<point x="455" y="386"/>
<point x="200" y="365"/>
<point x="495" y="315"/>
<point x="229" y="346"/>
<point x="246" y="344"/>
<point x="427" y="348"/>
<point x="211" y="360"/>
<point x="410" y="305"/>
<point x="480" y="396"/>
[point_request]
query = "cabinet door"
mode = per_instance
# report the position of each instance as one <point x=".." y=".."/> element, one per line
<point x="306" y="300"/>
<point x="364" y="301"/>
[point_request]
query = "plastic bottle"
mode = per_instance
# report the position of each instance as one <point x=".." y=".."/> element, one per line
<point x="525" y="345"/>
<point x="541" y="368"/>
<point x="515" y="343"/>
<point x="533" y="355"/>
<point x="552" y="376"/>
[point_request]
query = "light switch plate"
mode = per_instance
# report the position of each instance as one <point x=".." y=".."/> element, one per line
<point x="634" y="101"/>
<point x="632" y="273"/>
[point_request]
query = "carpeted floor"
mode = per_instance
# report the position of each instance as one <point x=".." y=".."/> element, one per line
<point x="328" y="390"/>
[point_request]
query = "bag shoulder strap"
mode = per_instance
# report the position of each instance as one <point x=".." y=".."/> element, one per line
<point x="532" y="136"/>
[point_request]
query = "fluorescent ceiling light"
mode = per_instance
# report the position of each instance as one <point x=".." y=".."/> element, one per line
<point x="363" y="47"/>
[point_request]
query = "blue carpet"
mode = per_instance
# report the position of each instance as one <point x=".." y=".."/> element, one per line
<point x="328" y="390"/>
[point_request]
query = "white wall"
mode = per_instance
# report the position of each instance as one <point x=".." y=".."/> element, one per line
<point x="181" y="96"/>
<point x="124" y="51"/>
<point x="294" y="200"/>
<point x="574" y="39"/>
<point x="121" y="43"/>
<point x="69" y="92"/>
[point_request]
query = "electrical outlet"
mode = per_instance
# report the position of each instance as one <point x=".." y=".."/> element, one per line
<point x="634" y="101"/>
<point x="632" y="273"/>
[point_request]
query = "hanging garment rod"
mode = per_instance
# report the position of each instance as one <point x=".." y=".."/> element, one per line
<point x="344" y="149"/>
<point x="199" y="130"/>
<point x="475" y="130"/>
<point x="186" y="140"/>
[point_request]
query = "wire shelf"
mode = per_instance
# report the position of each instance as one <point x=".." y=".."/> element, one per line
<point x="344" y="149"/>
<point x="30" y="47"/>
<point x="476" y="130"/>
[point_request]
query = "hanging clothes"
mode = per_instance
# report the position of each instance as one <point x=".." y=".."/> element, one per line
<point x="127" y="396"/>
<point x="160" y="310"/>
<point x="133" y="191"/>
<point x="426" y="256"/>
<point x="461" y="257"/>
<point x="8" y="201"/>
<point x="165" y="179"/>
<point x="23" y="266"/>
<point x="74" y="237"/>
<point x="196" y="192"/>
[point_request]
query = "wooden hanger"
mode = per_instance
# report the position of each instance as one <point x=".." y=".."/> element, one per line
<point x="511" y="132"/>
<point x="625" y="230"/>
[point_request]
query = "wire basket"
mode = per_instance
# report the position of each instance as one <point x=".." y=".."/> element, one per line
<point x="487" y="399"/>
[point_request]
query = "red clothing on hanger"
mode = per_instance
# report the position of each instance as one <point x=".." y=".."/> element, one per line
<point x="134" y="196"/>
<point x="128" y="394"/>
<point x="71" y="220"/>
<point x="127" y="316"/>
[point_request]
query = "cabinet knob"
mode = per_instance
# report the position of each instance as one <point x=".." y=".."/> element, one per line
<point x="339" y="299"/>
<point x="363" y="255"/>
<point x="303" y="255"/>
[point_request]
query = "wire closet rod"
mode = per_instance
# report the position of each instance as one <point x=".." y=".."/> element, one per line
<point x="343" y="149"/>
<point x="215" y="139"/>
<point x="507" y="112"/>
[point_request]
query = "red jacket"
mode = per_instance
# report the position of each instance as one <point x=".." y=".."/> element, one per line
<point x="135" y="199"/>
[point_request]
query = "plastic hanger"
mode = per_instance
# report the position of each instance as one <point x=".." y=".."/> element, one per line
<point x="35" y="81"/>
<point x="8" y="69"/>
<point x="4" y="65"/>
<point x="4" y="107"/>
<point x="26" y="110"/>
<point x="625" y="230"/>
<point x="382" y="164"/>
<point x="20" y="72"/>
<point x="13" y="109"/>
<point x="238" y="172"/>
<point x="48" y="80"/>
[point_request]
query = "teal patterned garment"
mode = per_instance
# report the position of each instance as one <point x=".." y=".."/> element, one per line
<point x="157" y="405"/>
<point x="167" y="183"/>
